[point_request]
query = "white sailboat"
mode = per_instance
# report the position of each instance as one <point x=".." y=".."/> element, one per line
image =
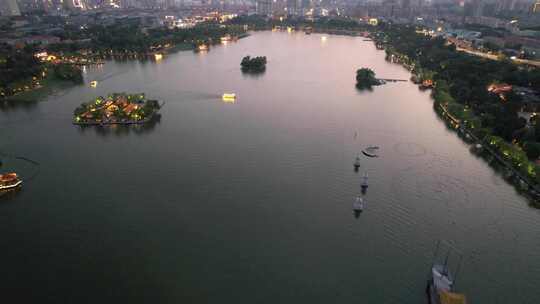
<point x="364" y="183"/>
<point x="358" y="205"/>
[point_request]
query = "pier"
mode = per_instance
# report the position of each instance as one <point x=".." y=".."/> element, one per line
<point x="393" y="80"/>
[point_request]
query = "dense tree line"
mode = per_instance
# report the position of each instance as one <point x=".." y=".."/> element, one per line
<point x="20" y="70"/>
<point x="259" y="22"/>
<point x="133" y="38"/>
<point x="17" y="66"/>
<point x="68" y="72"/>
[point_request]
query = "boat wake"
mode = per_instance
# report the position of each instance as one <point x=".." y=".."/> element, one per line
<point x="35" y="164"/>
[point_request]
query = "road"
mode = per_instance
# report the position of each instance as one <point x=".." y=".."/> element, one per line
<point x="495" y="57"/>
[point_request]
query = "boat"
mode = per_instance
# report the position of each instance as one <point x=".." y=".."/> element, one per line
<point x="93" y="83"/>
<point x="440" y="285"/>
<point x="229" y="97"/>
<point x="202" y="47"/>
<point x="9" y="181"/>
<point x="357" y="163"/>
<point x="358" y="205"/>
<point x="371" y="151"/>
<point x="308" y="30"/>
<point x="364" y="183"/>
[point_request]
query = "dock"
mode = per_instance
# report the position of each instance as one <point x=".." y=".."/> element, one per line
<point x="393" y="80"/>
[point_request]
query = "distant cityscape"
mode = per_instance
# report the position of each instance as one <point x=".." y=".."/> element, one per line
<point x="486" y="25"/>
<point x="387" y="8"/>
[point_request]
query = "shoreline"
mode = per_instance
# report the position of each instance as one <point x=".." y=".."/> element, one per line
<point x="125" y="122"/>
<point x="51" y="84"/>
<point x="111" y="123"/>
<point x="533" y="189"/>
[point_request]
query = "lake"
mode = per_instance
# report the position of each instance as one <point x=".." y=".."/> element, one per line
<point x="251" y="202"/>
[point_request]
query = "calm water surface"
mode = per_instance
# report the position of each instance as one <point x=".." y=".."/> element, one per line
<point x="251" y="202"/>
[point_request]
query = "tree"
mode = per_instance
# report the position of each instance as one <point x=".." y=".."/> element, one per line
<point x="68" y="72"/>
<point x="532" y="149"/>
<point x="255" y="64"/>
<point x="365" y="78"/>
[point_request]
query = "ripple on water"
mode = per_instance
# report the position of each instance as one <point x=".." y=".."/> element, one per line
<point x="410" y="149"/>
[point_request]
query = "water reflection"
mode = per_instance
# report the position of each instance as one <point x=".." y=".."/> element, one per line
<point x="253" y="74"/>
<point x="361" y="88"/>
<point x="122" y="130"/>
<point x="7" y="195"/>
<point x="7" y="105"/>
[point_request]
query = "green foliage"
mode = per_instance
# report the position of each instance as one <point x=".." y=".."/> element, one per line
<point x="365" y="78"/>
<point x="116" y="108"/>
<point x="151" y="106"/>
<point x="532" y="149"/>
<point x="259" y="22"/>
<point x="17" y="67"/>
<point x="510" y="152"/>
<point x="255" y="64"/>
<point x="68" y="72"/>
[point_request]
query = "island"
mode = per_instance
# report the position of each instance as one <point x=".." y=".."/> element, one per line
<point x="253" y="65"/>
<point x="365" y="79"/>
<point x="117" y="108"/>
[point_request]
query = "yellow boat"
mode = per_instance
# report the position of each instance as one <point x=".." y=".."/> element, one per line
<point x="93" y="84"/>
<point x="202" y="47"/>
<point x="229" y="97"/>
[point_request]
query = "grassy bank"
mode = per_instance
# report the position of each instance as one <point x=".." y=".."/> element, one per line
<point x="49" y="85"/>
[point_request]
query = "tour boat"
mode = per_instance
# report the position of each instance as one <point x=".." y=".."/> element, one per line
<point x="358" y="205"/>
<point x="229" y="97"/>
<point x="440" y="285"/>
<point x="9" y="181"/>
<point x="93" y="84"/>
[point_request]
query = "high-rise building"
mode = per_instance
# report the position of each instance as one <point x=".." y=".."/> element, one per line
<point x="405" y="4"/>
<point x="264" y="7"/>
<point x="9" y="8"/>
<point x="478" y="8"/>
<point x="474" y="8"/>
<point x="292" y="7"/>
<point x="75" y="4"/>
<point x="506" y="5"/>
<point x="305" y="5"/>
